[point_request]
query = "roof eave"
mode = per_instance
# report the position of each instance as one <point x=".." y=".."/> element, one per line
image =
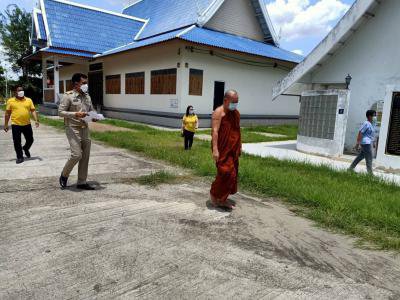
<point x="130" y="5"/>
<point x="209" y="12"/>
<point x="334" y="40"/>
<point x="269" y="22"/>
<point x="35" y="22"/>
<point x="240" y="52"/>
<point x="179" y="37"/>
<point x="46" y="24"/>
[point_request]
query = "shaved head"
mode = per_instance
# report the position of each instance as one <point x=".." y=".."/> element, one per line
<point x="231" y="97"/>
<point x="231" y="94"/>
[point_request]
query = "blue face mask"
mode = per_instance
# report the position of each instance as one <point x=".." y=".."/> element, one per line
<point x="233" y="106"/>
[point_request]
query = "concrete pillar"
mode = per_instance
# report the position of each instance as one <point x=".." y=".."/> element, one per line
<point x="44" y="75"/>
<point x="56" y="79"/>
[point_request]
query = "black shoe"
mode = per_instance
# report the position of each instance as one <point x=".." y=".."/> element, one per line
<point x="19" y="160"/>
<point x="63" y="181"/>
<point x="85" y="187"/>
<point x="27" y="153"/>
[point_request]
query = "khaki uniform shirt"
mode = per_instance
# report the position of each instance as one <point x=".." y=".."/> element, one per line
<point x="71" y="103"/>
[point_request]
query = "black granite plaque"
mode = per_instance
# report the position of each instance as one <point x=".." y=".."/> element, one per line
<point x="393" y="141"/>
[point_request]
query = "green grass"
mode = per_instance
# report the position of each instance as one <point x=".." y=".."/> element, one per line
<point x="249" y="134"/>
<point x="59" y="124"/>
<point x="253" y="137"/>
<point x="355" y="204"/>
<point x="289" y="130"/>
<point x="125" y="124"/>
<point x="157" y="178"/>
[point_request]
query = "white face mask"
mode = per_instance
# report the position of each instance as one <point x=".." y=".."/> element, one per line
<point x="191" y="111"/>
<point x="374" y="119"/>
<point x="84" y="88"/>
<point x="21" y="94"/>
<point x="233" y="106"/>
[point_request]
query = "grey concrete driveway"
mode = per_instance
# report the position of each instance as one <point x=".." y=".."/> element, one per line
<point x="125" y="241"/>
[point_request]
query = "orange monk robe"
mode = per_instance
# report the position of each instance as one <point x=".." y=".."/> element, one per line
<point x="229" y="147"/>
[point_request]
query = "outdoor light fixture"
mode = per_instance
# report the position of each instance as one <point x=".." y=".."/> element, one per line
<point x="348" y="81"/>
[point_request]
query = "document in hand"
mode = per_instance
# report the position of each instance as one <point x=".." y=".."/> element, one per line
<point x="93" y="115"/>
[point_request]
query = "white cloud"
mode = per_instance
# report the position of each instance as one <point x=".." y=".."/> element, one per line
<point x="295" y="19"/>
<point x="298" y="51"/>
<point x="6" y="65"/>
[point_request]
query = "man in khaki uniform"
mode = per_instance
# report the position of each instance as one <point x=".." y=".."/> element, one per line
<point x="73" y="108"/>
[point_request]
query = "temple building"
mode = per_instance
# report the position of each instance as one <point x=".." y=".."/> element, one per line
<point x="151" y="61"/>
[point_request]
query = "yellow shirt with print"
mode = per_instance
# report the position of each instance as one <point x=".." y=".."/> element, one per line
<point x="20" y="110"/>
<point x="189" y="122"/>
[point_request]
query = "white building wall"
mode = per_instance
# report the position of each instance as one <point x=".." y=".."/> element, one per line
<point x="66" y="72"/>
<point x="237" y="17"/>
<point x="164" y="56"/>
<point x="254" y="85"/>
<point x="371" y="56"/>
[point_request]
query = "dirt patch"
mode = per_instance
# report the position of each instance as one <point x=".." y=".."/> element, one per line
<point x="100" y="127"/>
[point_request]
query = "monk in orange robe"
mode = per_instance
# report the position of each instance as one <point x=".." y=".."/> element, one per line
<point x="226" y="149"/>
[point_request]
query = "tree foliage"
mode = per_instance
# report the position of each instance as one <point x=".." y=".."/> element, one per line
<point x="2" y="82"/>
<point x="15" y="28"/>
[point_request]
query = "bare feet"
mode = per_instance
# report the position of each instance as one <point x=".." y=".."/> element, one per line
<point x="232" y="202"/>
<point x="228" y="204"/>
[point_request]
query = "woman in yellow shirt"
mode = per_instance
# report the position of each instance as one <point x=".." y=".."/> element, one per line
<point x="190" y="123"/>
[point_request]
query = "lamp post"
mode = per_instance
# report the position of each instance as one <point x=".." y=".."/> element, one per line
<point x="348" y="81"/>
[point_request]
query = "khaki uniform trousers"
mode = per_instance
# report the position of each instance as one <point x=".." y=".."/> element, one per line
<point x="80" y="143"/>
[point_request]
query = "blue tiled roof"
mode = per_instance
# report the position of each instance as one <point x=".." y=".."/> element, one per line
<point x="42" y="29"/>
<point x="166" y="15"/>
<point x="75" y="27"/>
<point x="237" y="43"/>
<point x="217" y="39"/>
<point x="142" y="43"/>
<point x="67" y="52"/>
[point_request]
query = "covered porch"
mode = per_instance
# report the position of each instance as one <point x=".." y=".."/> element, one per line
<point x="53" y="85"/>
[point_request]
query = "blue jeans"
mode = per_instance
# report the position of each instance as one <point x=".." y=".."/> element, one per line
<point x="367" y="153"/>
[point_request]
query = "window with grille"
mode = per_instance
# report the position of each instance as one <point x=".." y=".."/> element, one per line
<point x="163" y="82"/>
<point x="318" y="116"/>
<point x="69" y="86"/>
<point x="195" y="82"/>
<point x="393" y="139"/>
<point x="134" y="83"/>
<point x="61" y="87"/>
<point x="113" y="84"/>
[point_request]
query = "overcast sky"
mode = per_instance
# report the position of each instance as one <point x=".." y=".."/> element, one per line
<point x="300" y="24"/>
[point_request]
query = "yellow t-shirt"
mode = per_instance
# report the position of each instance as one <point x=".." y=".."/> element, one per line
<point x="20" y="110"/>
<point x="189" y="122"/>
